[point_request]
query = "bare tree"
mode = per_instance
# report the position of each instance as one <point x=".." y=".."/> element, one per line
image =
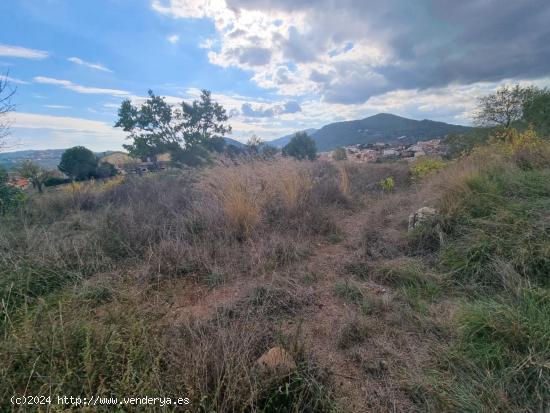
<point x="502" y="107"/>
<point x="6" y="106"/>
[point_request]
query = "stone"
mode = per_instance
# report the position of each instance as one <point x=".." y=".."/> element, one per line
<point x="276" y="362"/>
<point x="421" y="217"/>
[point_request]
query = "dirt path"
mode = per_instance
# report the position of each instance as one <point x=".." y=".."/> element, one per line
<point x="322" y="323"/>
<point x="320" y="320"/>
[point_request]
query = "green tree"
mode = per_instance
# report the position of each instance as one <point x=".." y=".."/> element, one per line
<point x="188" y="131"/>
<point x="34" y="173"/>
<point x="301" y="146"/>
<point x="339" y="154"/>
<point x="78" y="163"/>
<point x="536" y="111"/>
<point x="151" y="127"/>
<point x="503" y="107"/>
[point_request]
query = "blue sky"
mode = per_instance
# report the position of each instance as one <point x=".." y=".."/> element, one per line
<point x="277" y="66"/>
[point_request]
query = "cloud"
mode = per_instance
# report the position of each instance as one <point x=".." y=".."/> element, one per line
<point x="57" y="106"/>
<point x="352" y="50"/>
<point x="37" y="131"/>
<point x="270" y="111"/>
<point x="38" y="121"/>
<point x="96" y="66"/>
<point x="15" y="80"/>
<point x="248" y="110"/>
<point x="67" y="84"/>
<point x="22" y="52"/>
<point x="173" y="38"/>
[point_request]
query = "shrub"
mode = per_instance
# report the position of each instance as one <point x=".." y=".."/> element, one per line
<point x="10" y="198"/>
<point x="387" y="184"/>
<point x="54" y="181"/>
<point x="339" y="154"/>
<point x="425" y="166"/>
<point x="525" y="148"/>
<point x="106" y="170"/>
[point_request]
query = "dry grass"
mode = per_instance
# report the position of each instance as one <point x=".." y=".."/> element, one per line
<point x="120" y="289"/>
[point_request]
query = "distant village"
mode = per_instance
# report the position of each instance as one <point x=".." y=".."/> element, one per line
<point x="378" y="152"/>
<point x="372" y="152"/>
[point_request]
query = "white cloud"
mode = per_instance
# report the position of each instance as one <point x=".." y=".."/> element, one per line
<point x="38" y="121"/>
<point x="67" y="84"/>
<point x="353" y="50"/>
<point x="208" y="43"/>
<point x="96" y="66"/>
<point x="17" y="81"/>
<point x="57" y="106"/>
<point x="37" y="131"/>
<point x="22" y="52"/>
<point x="173" y="38"/>
<point x="285" y="50"/>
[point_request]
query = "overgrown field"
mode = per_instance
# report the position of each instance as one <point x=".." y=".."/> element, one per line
<point x="174" y="284"/>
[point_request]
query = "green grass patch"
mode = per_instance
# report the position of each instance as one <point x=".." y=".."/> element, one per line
<point x="500" y="360"/>
<point x="505" y="218"/>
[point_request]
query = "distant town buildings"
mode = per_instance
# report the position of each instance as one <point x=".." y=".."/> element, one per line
<point x="383" y="151"/>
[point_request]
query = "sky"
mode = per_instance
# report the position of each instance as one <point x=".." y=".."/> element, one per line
<point x="277" y="66"/>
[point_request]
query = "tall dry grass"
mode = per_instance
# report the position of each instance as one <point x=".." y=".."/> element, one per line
<point x="245" y="191"/>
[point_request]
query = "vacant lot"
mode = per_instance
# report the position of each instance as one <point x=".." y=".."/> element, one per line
<point x="175" y="284"/>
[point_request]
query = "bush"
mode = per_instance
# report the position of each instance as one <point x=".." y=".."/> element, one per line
<point x="425" y="166"/>
<point x="387" y="184"/>
<point x="10" y="198"/>
<point x="106" y="170"/>
<point x="525" y="148"/>
<point x="339" y="154"/>
<point x="54" y="181"/>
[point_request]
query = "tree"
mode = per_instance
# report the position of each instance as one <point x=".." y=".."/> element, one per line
<point x="188" y="132"/>
<point x="339" y="154"/>
<point x="301" y="146"/>
<point x="202" y="120"/>
<point x="6" y="93"/>
<point x="34" y="173"/>
<point x="536" y="111"/>
<point x="78" y="163"/>
<point x="503" y="107"/>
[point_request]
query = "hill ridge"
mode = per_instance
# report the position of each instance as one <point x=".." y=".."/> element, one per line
<point x="381" y="127"/>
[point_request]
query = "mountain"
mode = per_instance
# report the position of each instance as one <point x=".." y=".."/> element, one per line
<point x="233" y="142"/>
<point x="46" y="158"/>
<point x="50" y="158"/>
<point x="280" y="142"/>
<point x="383" y="127"/>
